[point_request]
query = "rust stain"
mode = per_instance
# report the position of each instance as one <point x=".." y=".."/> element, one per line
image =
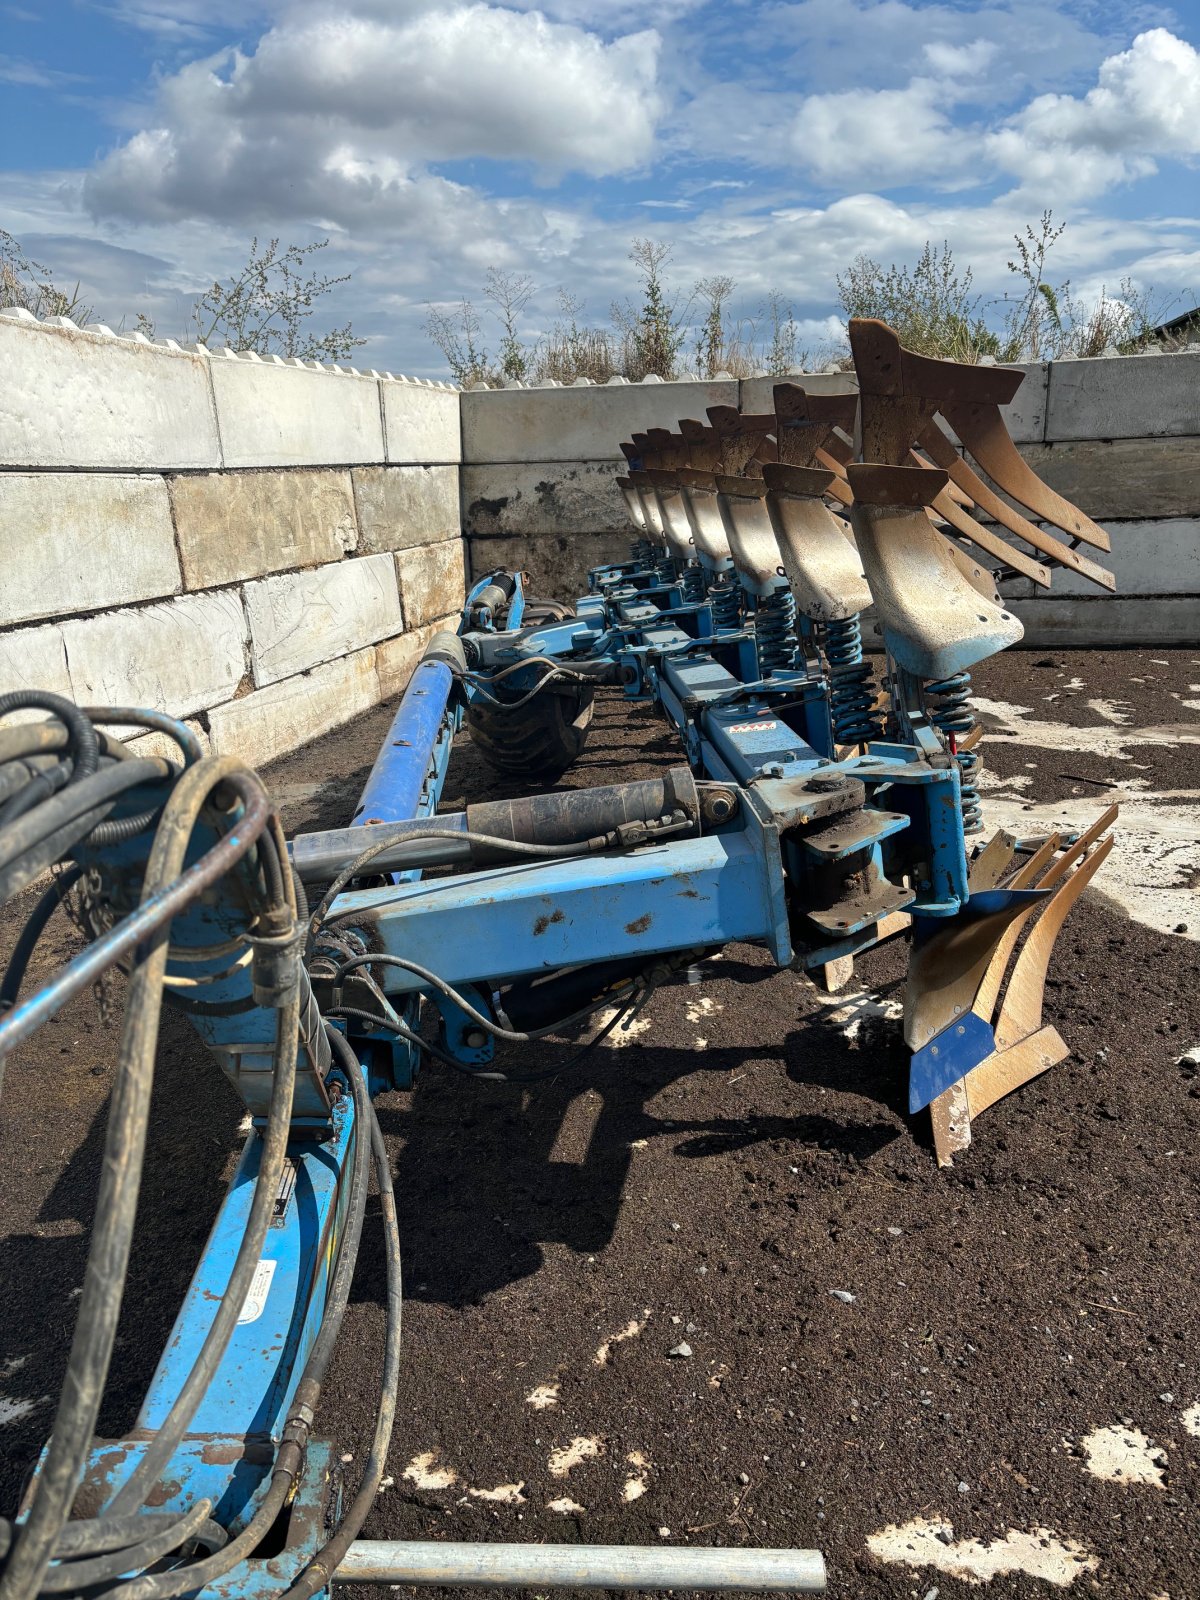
<point x="640" y="924"/>
<point x="545" y="922"/>
<point x="224" y="1453"/>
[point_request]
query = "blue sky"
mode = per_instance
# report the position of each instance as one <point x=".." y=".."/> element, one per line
<point x="146" y="141"/>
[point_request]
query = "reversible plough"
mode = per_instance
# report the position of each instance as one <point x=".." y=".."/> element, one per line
<point x="826" y="803"/>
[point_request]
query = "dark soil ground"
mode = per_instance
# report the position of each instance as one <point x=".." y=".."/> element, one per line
<point x="709" y="1180"/>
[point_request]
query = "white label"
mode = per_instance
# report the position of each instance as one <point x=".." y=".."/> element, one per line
<point x="752" y="727"/>
<point x="260" y="1288"/>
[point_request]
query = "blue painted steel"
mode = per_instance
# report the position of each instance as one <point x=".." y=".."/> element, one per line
<point x="516" y="921"/>
<point x="404" y="782"/>
<point x="948" y="1056"/>
<point x="227" y="1452"/>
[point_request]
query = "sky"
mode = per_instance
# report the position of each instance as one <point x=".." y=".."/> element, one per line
<point x="145" y="142"/>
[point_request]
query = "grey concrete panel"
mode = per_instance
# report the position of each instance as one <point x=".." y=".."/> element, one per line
<point x="584" y="424"/>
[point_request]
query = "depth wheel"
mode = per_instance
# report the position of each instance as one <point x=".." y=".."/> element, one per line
<point x="541" y="739"/>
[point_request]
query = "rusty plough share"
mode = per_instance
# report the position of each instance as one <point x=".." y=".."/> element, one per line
<point x="803" y="518"/>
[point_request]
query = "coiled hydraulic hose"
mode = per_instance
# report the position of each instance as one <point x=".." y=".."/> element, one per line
<point x="108" y="1257"/>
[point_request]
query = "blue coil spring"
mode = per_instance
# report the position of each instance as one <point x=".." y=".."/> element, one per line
<point x="852" y="692"/>
<point x="642" y="551"/>
<point x="665" y="568"/>
<point x="950" y="710"/>
<point x="725" y="598"/>
<point x="775" y="632"/>
<point x="692" y="584"/>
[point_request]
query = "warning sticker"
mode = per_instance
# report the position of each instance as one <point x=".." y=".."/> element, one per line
<point x="753" y="727"/>
<point x="256" y="1299"/>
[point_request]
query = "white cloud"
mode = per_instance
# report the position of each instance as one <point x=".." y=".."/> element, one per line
<point x="882" y="137"/>
<point x="334" y="114"/>
<point x="1145" y="107"/>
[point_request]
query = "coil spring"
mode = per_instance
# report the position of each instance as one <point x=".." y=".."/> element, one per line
<point x="691" y="583"/>
<point x="642" y="552"/>
<point x="950" y="710"/>
<point x="852" y="694"/>
<point x="775" y="632"/>
<point x="724" y="596"/>
<point x="664" y="568"/>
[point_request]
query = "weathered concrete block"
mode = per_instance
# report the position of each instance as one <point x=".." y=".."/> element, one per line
<point x="557" y="565"/>
<point x="402" y="506"/>
<point x="1123" y="478"/>
<point x="1105" y="622"/>
<point x="288" y="416"/>
<point x="33" y="658"/>
<point x="74" y="399"/>
<point x="82" y="542"/>
<point x="268" y="723"/>
<point x="420" y="424"/>
<point x="578" y="424"/>
<point x="178" y="657"/>
<point x="1160" y="558"/>
<point x="234" y="525"/>
<point x="395" y="659"/>
<point x="757" y="394"/>
<point x="432" y="580"/>
<point x="1025" y="414"/>
<point x="543" y="497"/>
<point x="1124" y="397"/>
<point x="299" y="619"/>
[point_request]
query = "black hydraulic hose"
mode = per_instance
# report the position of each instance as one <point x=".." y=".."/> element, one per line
<point x="49" y="903"/>
<point x="318" y="1574"/>
<point x="82" y="740"/>
<point x="96" y="1534"/>
<point x="75" y="800"/>
<point x="151" y="915"/>
<point x="116" y="830"/>
<point x="18" y="771"/>
<point x="39" y="787"/>
<point x="158" y="721"/>
<point x="338" y="1294"/>
<point x="78" y="1575"/>
<point x="112" y="1234"/>
<point x="134" y="1491"/>
<point x="510" y="1035"/>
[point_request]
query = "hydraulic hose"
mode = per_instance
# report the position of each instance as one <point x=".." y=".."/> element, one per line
<point x="152" y="914"/>
<point x="290" y="1458"/>
<point x="108" y="1257"/>
<point x="161" y="1447"/>
<point x="30" y="934"/>
<point x="82" y="740"/>
<point x="319" y="1573"/>
<point x="79" y="1575"/>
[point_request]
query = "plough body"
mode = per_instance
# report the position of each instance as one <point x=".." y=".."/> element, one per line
<point x="815" y="812"/>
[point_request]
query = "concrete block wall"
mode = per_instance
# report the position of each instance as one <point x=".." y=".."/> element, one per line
<point x="1118" y="436"/>
<point x="262" y="547"/>
<point x="259" y="547"/>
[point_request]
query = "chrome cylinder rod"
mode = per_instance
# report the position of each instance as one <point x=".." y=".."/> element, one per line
<point x="574" y="1566"/>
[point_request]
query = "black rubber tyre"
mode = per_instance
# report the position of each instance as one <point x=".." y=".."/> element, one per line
<point x="538" y="613"/>
<point x="538" y="741"/>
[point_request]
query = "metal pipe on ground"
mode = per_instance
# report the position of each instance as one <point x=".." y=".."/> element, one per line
<point x="599" y="1566"/>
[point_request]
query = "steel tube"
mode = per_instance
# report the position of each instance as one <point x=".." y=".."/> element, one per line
<point x="393" y="790"/>
<point x="573" y="1566"/>
<point x="319" y="857"/>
